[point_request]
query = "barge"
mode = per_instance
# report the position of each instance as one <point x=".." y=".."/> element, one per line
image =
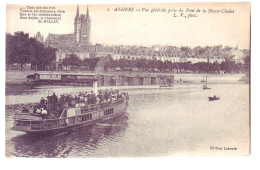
<point x="112" y="78"/>
<point x="53" y="78"/>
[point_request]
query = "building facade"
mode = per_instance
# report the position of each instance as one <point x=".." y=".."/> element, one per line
<point x="78" y="43"/>
<point x="122" y="79"/>
<point x="39" y="37"/>
<point x="73" y="43"/>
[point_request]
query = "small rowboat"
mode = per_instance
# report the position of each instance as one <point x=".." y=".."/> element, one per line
<point x="213" y="98"/>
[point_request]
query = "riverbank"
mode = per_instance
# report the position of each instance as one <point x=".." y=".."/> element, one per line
<point x="19" y="77"/>
<point x="16" y="81"/>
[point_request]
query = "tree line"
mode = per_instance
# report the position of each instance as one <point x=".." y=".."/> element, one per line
<point x="73" y="61"/>
<point x="156" y="65"/>
<point x="22" y="49"/>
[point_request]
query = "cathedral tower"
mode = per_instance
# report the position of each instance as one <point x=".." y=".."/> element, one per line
<point x="77" y="26"/>
<point x="82" y="24"/>
<point x="88" y="27"/>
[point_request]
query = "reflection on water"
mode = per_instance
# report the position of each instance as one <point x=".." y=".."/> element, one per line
<point x="81" y="141"/>
<point x="159" y="122"/>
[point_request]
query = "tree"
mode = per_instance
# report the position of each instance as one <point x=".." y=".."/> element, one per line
<point x="141" y="64"/>
<point x="187" y="66"/>
<point x="49" y="56"/>
<point x="176" y="66"/>
<point x="21" y="49"/>
<point x="36" y="51"/>
<point x="247" y="60"/>
<point x="91" y="63"/>
<point x="17" y="48"/>
<point x="71" y="60"/>
<point x="124" y="63"/>
<point x="228" y="66"/>
<point x="40" y="56"/>
<point x="10" y="46"/>
<point x="109" y="62"/>
<point x="168" y="65"/>
<point x="239" y="67"/>
<point x="216" y="67"/>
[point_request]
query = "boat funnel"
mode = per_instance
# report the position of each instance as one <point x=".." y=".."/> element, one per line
<point x="95" y="90"/>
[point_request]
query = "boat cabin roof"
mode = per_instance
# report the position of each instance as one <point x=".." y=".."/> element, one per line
<point x="76" y="74"/>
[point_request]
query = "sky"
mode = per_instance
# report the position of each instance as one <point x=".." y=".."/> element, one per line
<point x="149" y="28"/>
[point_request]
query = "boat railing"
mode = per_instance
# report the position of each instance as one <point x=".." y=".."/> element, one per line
<point x="41" y="124"/>
<point x="93" y="107"/>
<point x="50" y="123"/>
<point x="63" y="113"/>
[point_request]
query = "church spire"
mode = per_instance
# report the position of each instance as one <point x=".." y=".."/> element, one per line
<point x="77" y="15"/>
<point x="87" y="12"/>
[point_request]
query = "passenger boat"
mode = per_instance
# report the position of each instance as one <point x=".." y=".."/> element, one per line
<point x="213" y="98"/>
<point x="83" y="115"/>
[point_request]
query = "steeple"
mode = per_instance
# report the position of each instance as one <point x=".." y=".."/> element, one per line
<point x="77" y="15"/>
<point x="87" y="12"/>
<point x="77" y="25"/>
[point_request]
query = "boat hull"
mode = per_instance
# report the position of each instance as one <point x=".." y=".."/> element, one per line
<point x="67" y="128"/>
<point x="119" y="110"/>
<point x="213" y="98"/>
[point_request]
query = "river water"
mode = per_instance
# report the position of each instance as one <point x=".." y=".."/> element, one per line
<point x="158" y="122"/>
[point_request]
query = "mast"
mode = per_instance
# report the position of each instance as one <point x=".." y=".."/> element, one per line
<point x="206" y="81"/>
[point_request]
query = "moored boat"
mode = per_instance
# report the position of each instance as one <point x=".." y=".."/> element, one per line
<point x="56" y="78"/>
<point x="166" y="85"/>
<point x="205" y="86"/>
<point x="203" y="81"/>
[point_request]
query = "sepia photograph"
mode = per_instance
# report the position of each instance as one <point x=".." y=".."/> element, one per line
<point x="127" y="80"/>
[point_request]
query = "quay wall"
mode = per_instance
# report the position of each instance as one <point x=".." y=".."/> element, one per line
<point x="134" y="78"/>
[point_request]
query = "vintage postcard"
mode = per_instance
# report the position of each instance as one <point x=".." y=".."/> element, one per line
<point x="127" y="80"/>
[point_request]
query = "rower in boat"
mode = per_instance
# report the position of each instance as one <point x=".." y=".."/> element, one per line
<point x="213" y="98"/>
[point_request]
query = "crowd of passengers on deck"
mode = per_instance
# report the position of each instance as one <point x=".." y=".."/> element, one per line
<point x="55" y="104"/>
